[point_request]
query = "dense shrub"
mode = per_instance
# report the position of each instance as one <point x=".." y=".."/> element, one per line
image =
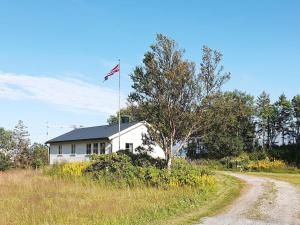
<point x="210" y="164"/>
<point x="74" y="169"/>
<point x="235" y="162"/>
<point x="125" y="169"/>
<point x="5" y="162"/>
<point x="288" y="153"/>
<point x="265" y="165"/>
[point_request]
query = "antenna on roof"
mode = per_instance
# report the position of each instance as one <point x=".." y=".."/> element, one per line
<point x="73" y="126"/>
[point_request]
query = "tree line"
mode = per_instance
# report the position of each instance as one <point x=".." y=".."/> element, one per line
<point x="16" y="150"/>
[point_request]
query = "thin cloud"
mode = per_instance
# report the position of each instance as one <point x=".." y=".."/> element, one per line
<point x="68" y="94"/>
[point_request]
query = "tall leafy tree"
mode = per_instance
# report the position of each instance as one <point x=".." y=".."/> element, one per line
<point x="39" y="155"/>
<point x="6" y="141"/>
<point x="170" y="95"/>
<point x="227" y="125"/>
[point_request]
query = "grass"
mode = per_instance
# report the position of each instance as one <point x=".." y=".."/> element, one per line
<point x="29" y="197"/>
<point x="292" y="178"/>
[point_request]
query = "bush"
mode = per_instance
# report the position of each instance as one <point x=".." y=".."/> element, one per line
<point x="265" y="165"/>
<point x="209" y="164"/>
<point x="74" y="169"/>
<point x="5" y="162"/>
<point x="125" y="169"/>
<point x="235" y="162"/>
<point x="288" y="153"/>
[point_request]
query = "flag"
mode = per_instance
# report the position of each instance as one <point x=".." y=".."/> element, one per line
<point x="112" y="72"/>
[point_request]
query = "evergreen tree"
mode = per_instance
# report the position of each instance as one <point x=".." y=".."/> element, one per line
<point x="284" y="108"/>
<point x="21" y="154"/>
<point x="296" y="114"/>
<point x="263" y="108"/>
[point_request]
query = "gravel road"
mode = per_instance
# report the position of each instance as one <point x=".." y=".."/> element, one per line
<point x="266" y="201"/>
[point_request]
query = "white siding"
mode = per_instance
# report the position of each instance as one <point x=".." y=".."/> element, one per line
<point x="134" y="135"/>
<point x="66" y="151"/>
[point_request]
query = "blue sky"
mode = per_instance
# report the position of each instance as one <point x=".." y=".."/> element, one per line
<point x="54" y="54"/>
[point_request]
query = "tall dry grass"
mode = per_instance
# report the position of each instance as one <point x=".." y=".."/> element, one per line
<point x="29" y="197"/>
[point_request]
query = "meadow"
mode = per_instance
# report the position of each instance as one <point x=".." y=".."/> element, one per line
<point x="31" y="197"/>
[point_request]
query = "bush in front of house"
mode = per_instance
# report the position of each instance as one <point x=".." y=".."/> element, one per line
<point x="124" y="169"/>
<point x="63" y="169"/>
<point x="5" y="162"/>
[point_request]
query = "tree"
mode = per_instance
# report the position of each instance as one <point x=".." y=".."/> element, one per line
<point x="170" y="95"/>
<point x="128" y="111"/>
<point x="21" y="155"/>
<point x="39" y="155"/>
<point x="5" y="162"/>
<point x="227" y="125"/>
<point x="296" y="114"/>
<point x="264" y="110"/>
<point x="284" y="108"/>
<point x="6" y="141"/>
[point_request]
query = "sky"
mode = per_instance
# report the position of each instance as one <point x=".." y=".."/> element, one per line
<point x="55" y="54"/>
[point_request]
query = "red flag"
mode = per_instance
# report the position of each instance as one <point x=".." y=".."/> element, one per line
<point x="112" y="72"/>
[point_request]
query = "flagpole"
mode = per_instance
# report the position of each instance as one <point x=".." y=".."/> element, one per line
<point x="119" y="105"/>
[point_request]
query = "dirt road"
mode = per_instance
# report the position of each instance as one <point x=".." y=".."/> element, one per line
<point x="266" y="201"/>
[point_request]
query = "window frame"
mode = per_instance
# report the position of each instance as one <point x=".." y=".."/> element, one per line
<point x="73" y="149"/>
<point x="88" y="149"/>
<point x="97" y="149"/>
<point x="130" y="147"/>
<point x="102" y="148"/>
<point x="59" y="149"/>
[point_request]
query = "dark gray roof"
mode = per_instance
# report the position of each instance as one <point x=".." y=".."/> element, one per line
<point x="91" y="133"/>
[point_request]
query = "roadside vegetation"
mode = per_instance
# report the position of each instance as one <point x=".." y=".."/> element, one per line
<point x="75" y="193"/>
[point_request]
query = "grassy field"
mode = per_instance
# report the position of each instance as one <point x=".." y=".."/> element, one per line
<point x="29" y="197"/>
<point x="292" y="178"/>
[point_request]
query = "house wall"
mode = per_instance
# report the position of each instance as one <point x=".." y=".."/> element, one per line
<point x="80" y="155"/>
<point x="131" y="135"/>
<point x="134" y="135"/>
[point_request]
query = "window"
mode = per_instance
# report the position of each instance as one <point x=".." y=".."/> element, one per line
<point x="95" y="148"/>
<point x="73" y="149"/>
<point x="102" y="148"/>
<point x="129" y="147"/>
<point x="88" y="149"/>
<point x="59" y="149"/>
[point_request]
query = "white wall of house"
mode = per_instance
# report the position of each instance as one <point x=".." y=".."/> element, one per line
<point x="80" y="151"/>
<point x="131" y="135"/>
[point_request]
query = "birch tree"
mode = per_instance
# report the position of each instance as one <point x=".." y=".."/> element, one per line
<point x="171" y="95"/>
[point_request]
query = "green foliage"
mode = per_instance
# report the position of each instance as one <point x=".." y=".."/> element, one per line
<point x="5" y="162"/>
<point x="6" y="141"/>
<point x="288" y="153"/>
<point x="227" y="126"/>
<point x="124" y="169"/>
<point x="39" y="155"/>
<point x="211" y="164"/>
<point x="238" y="162"/>
<point x="170" y="94"/>
<point x="128" y="111"/>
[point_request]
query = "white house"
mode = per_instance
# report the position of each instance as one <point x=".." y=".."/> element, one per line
<point x="78" y="144"/>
